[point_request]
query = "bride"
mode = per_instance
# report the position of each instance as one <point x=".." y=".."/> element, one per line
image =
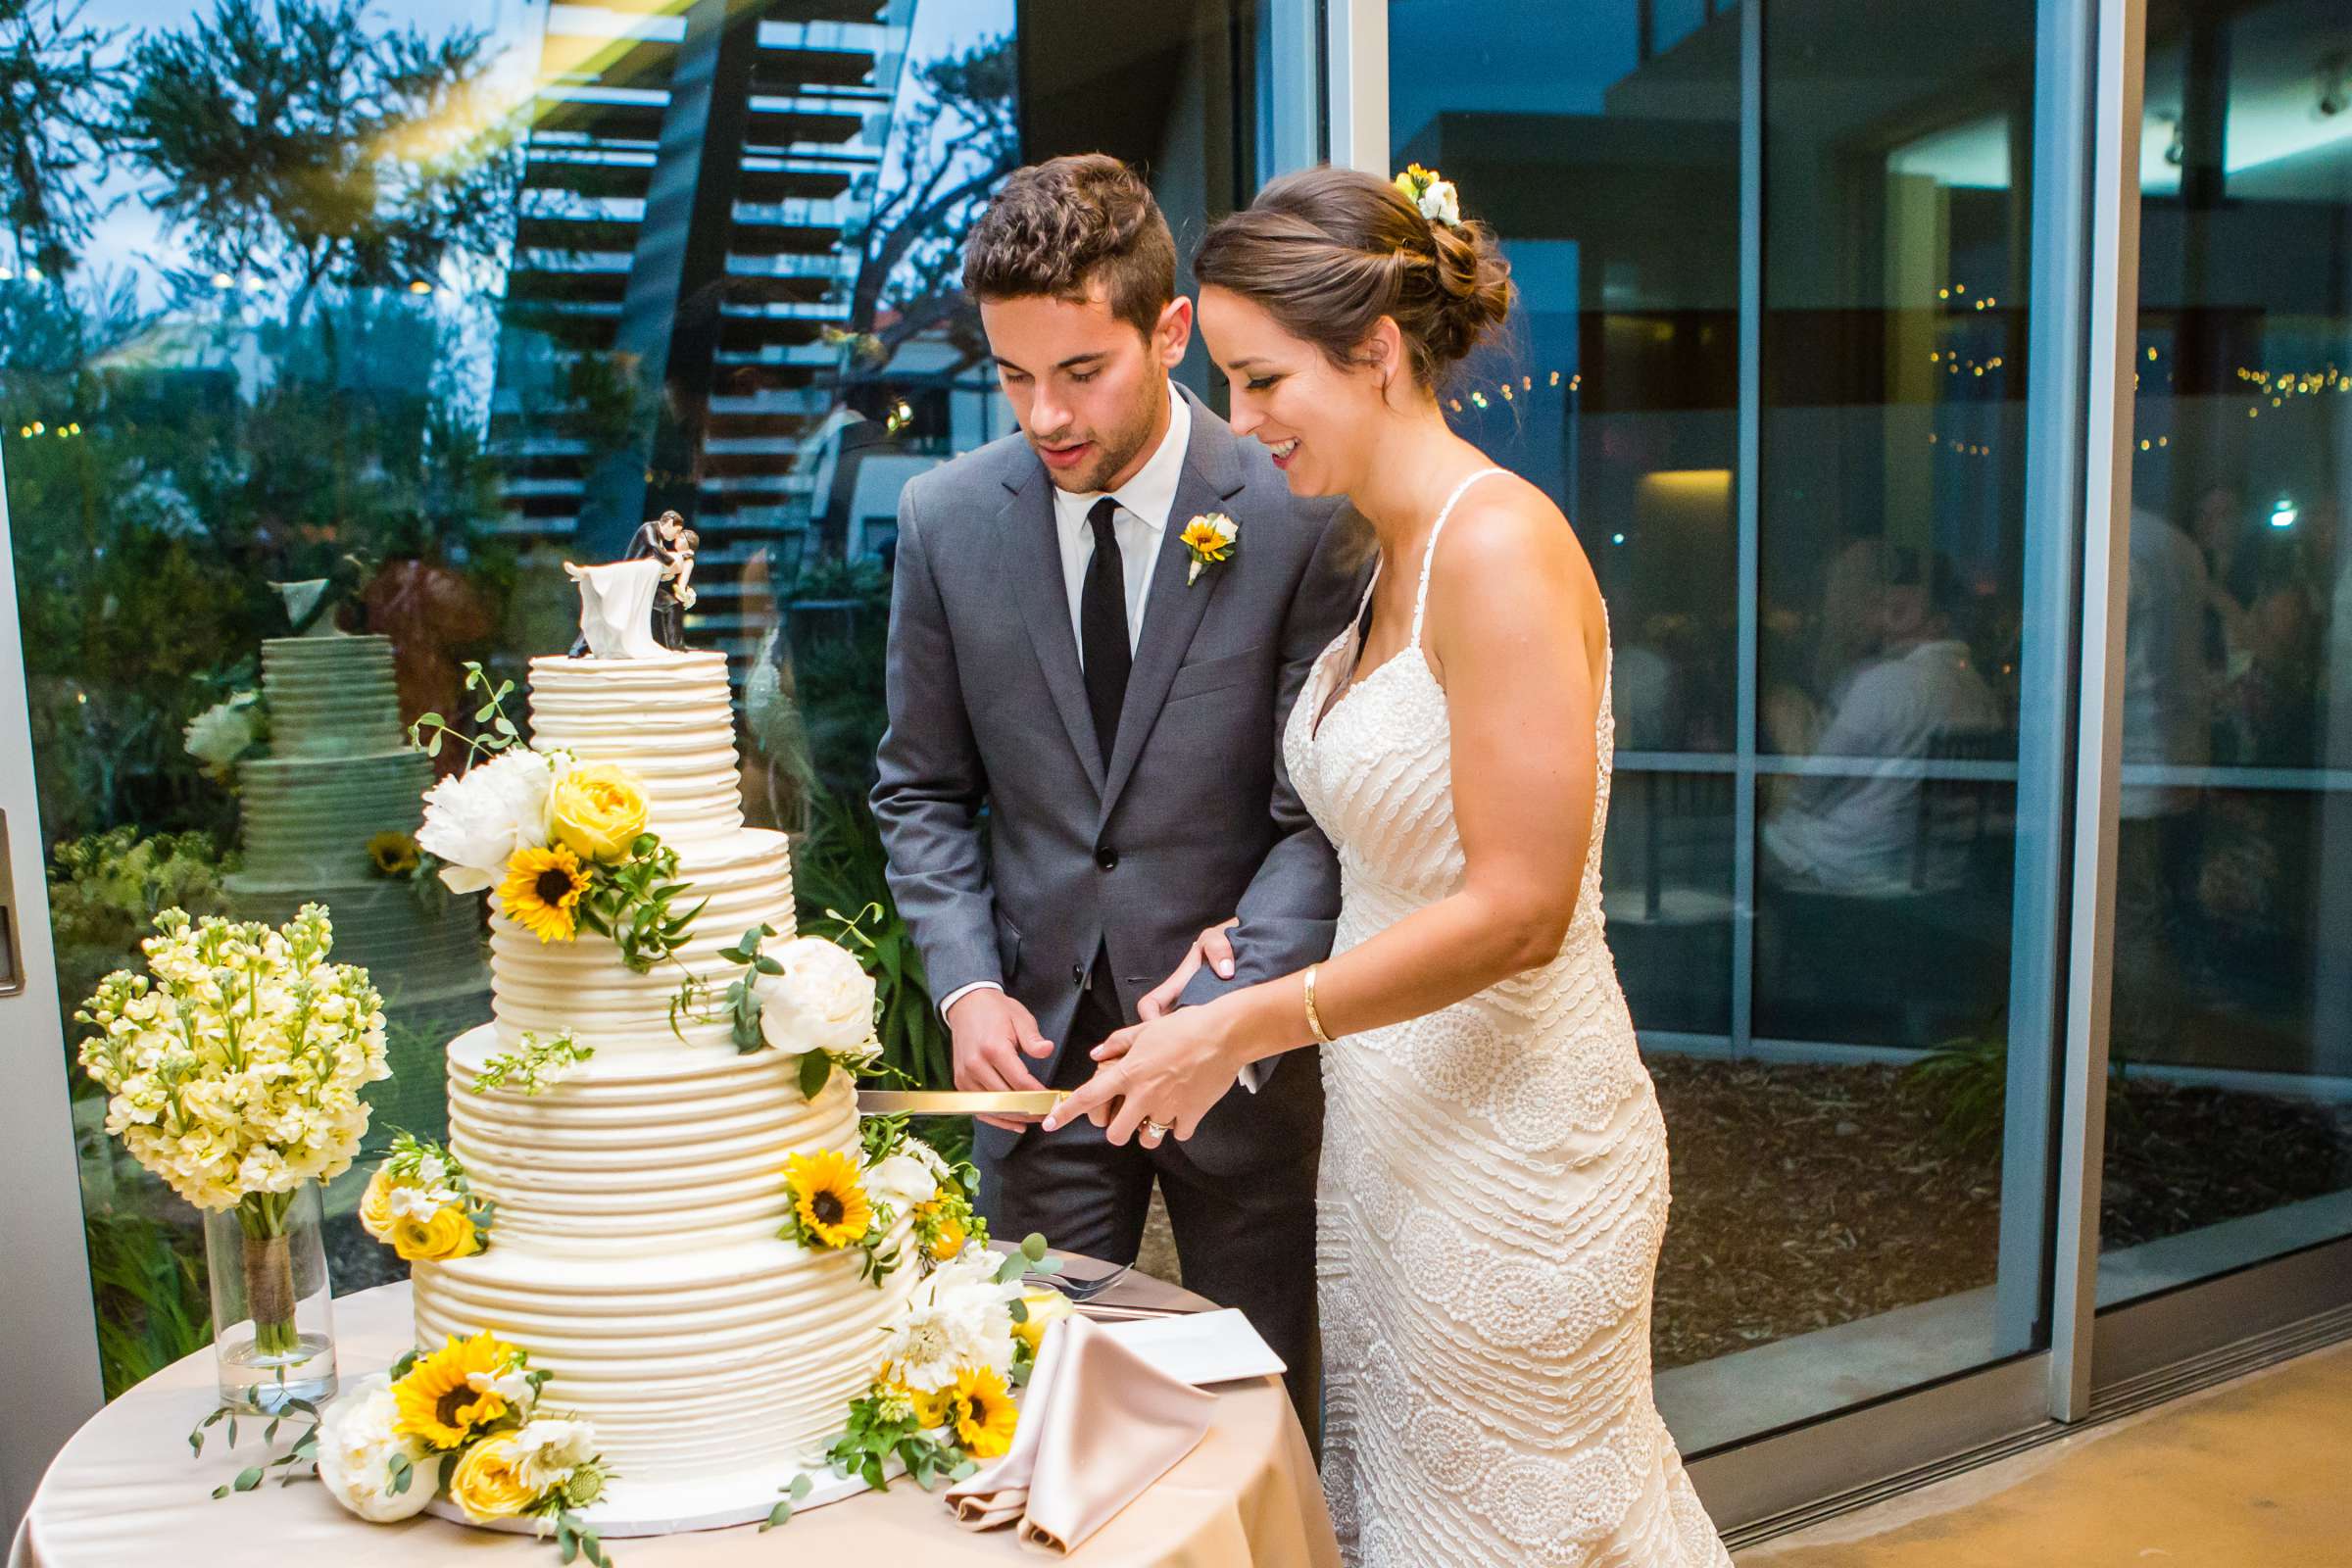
<point x="1493" y="1179"/>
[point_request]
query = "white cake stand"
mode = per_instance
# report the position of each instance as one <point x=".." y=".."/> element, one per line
<point x="638" y="1509"/>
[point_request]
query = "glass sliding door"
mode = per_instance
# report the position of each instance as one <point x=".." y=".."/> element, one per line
<point x="2230" y="1107"/>
<point x="1809" y="869"/>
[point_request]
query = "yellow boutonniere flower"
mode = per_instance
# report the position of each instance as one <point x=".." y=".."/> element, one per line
<point x="1211" y="539"/>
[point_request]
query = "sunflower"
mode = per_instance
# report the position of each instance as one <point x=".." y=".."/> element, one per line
<point x="983" y="1412"/>
<point x="394" y="854"/>
<point x="437" y="1400"/>
<point x="541" y="889"/>
<point x="831" y="1203"/>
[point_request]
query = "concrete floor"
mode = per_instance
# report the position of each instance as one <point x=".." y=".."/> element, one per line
<point x="2256" y="1473"/>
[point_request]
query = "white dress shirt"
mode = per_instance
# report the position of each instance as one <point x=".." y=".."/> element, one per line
<point x="1144" y="502"/>
<point x="1139" y="523"/>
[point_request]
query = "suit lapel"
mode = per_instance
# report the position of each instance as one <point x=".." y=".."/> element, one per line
<point x="1212" y="474"/>
<point x="1033" y="558"/>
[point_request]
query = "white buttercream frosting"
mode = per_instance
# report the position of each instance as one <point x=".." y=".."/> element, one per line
<point x="634" y="1250"/>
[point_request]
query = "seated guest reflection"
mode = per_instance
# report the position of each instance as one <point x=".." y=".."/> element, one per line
<point x="1861" y="833"/>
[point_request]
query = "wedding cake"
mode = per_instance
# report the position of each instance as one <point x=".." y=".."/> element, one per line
<point x="632" y="1146"/>
<point x="339" y="776"/>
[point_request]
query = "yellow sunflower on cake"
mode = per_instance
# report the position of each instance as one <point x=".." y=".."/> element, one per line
<point x="450" y="1395"/>
<point x="542" y="891"/>
<point x="984" y="1413"/>
<point x="829" y="1198"/>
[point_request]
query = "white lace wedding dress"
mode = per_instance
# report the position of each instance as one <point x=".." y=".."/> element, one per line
<point x="1492" y="1198"/>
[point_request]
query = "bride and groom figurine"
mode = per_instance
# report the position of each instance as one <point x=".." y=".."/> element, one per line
<point x="635" y="608"/>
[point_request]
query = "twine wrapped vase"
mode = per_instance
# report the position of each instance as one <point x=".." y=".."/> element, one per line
<point x="272" y="1311"/>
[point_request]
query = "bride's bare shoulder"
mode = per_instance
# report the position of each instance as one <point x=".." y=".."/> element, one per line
<point x="1507" y="538"/>
<point x="1509" y="566"/>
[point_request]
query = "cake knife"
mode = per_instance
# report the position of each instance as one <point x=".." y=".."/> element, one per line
<point x="958" y="1102"/>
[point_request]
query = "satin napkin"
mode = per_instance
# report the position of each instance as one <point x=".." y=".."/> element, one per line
<point x="1098" y="1426"/>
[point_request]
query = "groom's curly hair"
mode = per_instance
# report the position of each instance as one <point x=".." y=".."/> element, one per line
<point x="1060" y="227"/>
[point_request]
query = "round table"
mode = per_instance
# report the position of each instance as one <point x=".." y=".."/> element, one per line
<point x="125" y="1489"/>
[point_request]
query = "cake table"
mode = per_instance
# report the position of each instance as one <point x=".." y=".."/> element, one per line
<point x="125" y="1489"/>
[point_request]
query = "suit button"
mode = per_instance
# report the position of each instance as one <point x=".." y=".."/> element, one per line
<point x="1078" y="975"/>
<point x="1107" y="857"/>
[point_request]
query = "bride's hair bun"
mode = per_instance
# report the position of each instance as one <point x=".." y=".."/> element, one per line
<point x="1328" y="252"/>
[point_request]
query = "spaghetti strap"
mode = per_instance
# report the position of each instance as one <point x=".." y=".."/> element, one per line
<point x="1429" y="557"/>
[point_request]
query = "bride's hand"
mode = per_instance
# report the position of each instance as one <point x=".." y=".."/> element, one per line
<point x="1210" y="947"/>
<point x="1169" y="1071"/>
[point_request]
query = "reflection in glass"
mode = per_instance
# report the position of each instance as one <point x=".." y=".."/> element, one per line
<point x="2230" y="1117"/>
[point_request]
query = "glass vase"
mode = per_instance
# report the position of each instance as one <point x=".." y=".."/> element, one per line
<point x="274" y="1339"/>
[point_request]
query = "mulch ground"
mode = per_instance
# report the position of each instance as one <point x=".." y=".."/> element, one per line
<point x="1806" y="1197"/>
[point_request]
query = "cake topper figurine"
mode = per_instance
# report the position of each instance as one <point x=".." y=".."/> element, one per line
<point x="636" y="607"/>
<point x="316" y="605"/>
<point x="668" y="540"/>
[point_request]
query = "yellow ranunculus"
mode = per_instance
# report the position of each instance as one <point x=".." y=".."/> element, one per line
<point x="598" y="811"/>
<point x="486" y="1485"/>
<point x="1046" y="1306"/>
<point x="375" y="1206"/>
<point x="448" y="1234"/>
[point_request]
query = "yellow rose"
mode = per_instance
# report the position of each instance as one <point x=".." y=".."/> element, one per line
<point x="375" y="1206"/>
<point x="486" y="1485"/>
<point x="598" y="812"/>
<point x="448" y="1234"/>
<point x="1046" y="1308"/>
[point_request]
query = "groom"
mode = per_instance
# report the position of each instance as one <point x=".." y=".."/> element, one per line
<point x="1083" y="770"/>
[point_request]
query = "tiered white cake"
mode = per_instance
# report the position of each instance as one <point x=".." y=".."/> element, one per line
<point x="340" y="771"/>
<point x="634" y="1248"/>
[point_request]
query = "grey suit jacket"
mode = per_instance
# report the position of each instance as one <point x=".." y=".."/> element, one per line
<point x="1015" y="853"/>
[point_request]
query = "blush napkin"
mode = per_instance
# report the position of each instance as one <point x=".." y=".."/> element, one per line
<point x="1098" y="1426"/>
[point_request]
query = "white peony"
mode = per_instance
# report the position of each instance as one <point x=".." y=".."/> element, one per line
<point x="908" y="1176"/>
<point x="823" y="1001"/>
<point x="958" y="1317"/>
<point x="1439" y="204"/>
<point x="477" y="820"/>
<point x="225" y="732"/>
<point x="549" y="1448"/>
<point x="356" y="1443"/>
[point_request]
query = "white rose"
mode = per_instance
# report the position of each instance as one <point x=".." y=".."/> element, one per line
<point x="356" y="1447"/>
<point x="902" y="1180"/>
<point x="823" y="1001"/>
<point x="548" y="1450"/>
<point x="477" y="820"/>
<point x="1439" y="204"/>
<point x="220" y="734"/>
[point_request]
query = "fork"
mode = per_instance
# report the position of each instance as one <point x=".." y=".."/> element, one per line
<point x="1088" y="1290"/>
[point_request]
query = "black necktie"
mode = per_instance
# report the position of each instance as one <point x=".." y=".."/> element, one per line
<point x="1103" y="626"/>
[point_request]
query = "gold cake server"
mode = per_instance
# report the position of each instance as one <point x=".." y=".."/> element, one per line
<point x="958" y="1102"/>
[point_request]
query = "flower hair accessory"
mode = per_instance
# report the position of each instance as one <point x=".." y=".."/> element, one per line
<point x="1436" y="198"/>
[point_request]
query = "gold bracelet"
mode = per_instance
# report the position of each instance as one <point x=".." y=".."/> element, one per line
<point x="1314" y="1019"/>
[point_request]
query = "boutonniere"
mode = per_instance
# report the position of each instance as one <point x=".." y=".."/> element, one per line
<point x="1211" y="539"/>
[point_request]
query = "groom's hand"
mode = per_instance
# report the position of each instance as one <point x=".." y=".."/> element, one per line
<point x="992" y="1032"/>
<point x="1211" y="947"/>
